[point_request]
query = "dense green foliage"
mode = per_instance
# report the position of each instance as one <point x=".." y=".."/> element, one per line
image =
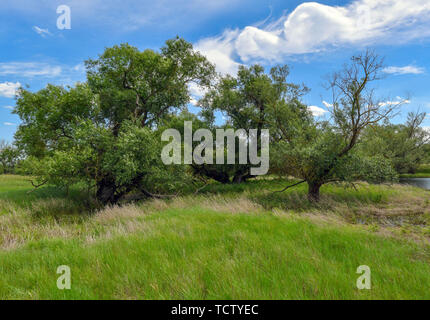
<point x="105" y="132"/>
<point x="423" y="171"/>
<point x="245" y="101"/>
<point x="405" y="145"/>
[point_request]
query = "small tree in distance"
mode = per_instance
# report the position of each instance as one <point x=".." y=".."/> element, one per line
<point x="9" y="157"/>
<point x="321" y="153"/>
<point x="406" y="145"/>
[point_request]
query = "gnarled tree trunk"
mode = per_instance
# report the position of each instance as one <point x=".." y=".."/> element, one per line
<point x="241" y="175"/>
<point x="314" y="191"/>
<point x="212" y="173"/>
<point x="237" y="179"/>
<point x="106" y="191"/>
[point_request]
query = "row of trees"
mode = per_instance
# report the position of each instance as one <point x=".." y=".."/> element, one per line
<point x="106" y="132"/>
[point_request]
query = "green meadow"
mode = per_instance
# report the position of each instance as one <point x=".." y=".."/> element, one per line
<point x="227" y="242"/>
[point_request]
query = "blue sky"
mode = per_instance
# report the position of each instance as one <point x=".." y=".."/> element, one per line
<point x="314" y="38"/>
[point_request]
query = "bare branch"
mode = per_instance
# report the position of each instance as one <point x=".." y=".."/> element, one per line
<point x="36" y="186"/>
<point x="288" y="187"/>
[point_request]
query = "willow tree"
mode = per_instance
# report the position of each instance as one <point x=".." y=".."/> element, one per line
<point x="245" y="100"/>
<point x="323" y="152"/>
<point x="104" y="132"/>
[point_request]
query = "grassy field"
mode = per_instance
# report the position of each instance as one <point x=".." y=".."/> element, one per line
<point x="228" y="242"/>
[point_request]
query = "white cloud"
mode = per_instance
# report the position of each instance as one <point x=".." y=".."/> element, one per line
<point x="196" y="90"/>
<point x="404" y="70"/>
<point x="220" y="51"/>
<point x="9" y="107"/>
<point x="398" y="102"/>
<point x="9" y="124"/>
<point x="79" y="68"/>
<point x="313" y="27"/>
<point x="29" y="69"/>
<point x="328" y="105"/>
<point x="42" y="32"/>
<point x="8" y="89"/>
<point x="317" y="111"/>
<point x="196" y="93"/>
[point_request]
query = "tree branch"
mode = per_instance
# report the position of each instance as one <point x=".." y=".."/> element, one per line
<point x="288" y="187"/>
<point x="36" y="186"/>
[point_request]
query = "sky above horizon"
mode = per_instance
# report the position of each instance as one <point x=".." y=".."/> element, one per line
<point x="313" y="38"/>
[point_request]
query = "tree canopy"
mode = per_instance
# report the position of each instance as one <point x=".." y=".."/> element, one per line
<point x="245" y="101"/>
<point x="105" y="132"/>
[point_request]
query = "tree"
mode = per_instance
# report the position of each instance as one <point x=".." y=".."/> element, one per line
<point x="106" y="132"/>
<point x="9" y="157"/>
<point x="326" y="152"/>
<point x="244" y="101"/>
<point x="405" y="145"/>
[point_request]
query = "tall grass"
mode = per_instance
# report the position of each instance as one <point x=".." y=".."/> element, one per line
<point x="228" y="242"/>
<point x="202" y="254"/>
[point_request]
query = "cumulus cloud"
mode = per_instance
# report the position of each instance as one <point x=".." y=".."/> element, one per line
<point x="42" y="32"/>
<point x="196" y="93"/>
<point x="196" y="90"/>
<point x="313" y="27"/>
<point x="317" y="111"/>
<point x="220" y="51"/>
<point x="404" y="70"/>
<point x="8" y="89"/>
